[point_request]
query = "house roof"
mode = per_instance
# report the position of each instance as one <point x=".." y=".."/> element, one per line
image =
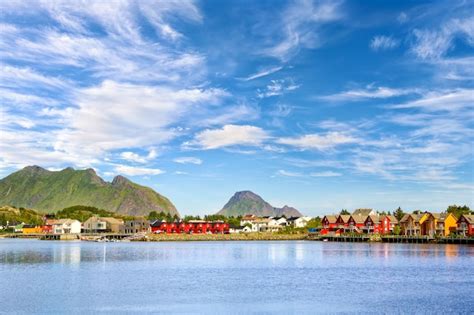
<point x="331" y="218"/>
<point x="359" y="218"/>
<point x="469" y="218"/>
<point x="112" y="220"/>
<point x="392" y="218"/>
<point x="363" y="212"/>
<point x="375" y="218"/>
<point x="345" y="217"/>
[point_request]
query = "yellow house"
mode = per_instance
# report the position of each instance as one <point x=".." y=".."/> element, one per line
<point x="32" y="229"/>
<point x="445" y="223"/>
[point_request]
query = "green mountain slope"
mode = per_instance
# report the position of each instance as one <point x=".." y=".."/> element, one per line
<point x="247" y="202"/>
<point x="48" y="191"/>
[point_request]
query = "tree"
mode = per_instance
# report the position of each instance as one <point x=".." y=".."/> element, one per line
<point x="314" y="223"/>
<point x="457" y="211"/>
<point x="397" y="230"/>
<point x="345" y="212"/>
<point x="399" y="213"/>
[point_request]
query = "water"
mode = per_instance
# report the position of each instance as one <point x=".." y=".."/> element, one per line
<point x="234" y="277"/>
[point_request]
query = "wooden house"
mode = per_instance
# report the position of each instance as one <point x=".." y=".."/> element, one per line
<point x="465" y="225"/>
<point x="445" y="223"/>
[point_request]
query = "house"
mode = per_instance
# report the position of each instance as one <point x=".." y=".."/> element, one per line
<point x="235" y="229"/>
<point x="103" y="225"/>
<point x="219" y="227"/>
<point x="277" y="222"/>
<point x="364" y="212"/>
<point x="372" y="224"/>
<point x="418" y="224"/>
<point x="257" y="224"/>
<point x="465" y="224"/>
<point x="342" y="221"/>
<point x="159" y="226"/>
<point x="139" y="225"/>
<point x="445" y="223"/>
<point x="298" y="222"/>
<point x="32" y="229"/>
<point x="329" y="221"/>
<point x="66" y="226"/>
<point x="357" y="222"/>
<point x="388" y="223"/>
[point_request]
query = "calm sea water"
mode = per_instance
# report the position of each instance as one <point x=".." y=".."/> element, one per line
<point x="234" y="277"/>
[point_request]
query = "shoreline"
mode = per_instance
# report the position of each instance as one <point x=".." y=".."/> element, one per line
<point x="241" y="237"/>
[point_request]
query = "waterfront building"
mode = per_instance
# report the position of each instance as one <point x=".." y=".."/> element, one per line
<point x="66" y="226"/>
<point x="372" y="224"/>
<point x="445" y="223"/>
<point x="138" y="225"/>
<point x="357" y="222"/>
<point x="465" y="225"/>
<point x="299" y="222"/>
<point x="32" y="229"/>
<point x="342" y="221"/>
<point x="103" y="225"/>
<point x="388" y="223"/>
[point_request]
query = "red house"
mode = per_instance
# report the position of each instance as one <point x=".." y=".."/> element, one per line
<point x="372" y="224"/>
<point x="164" y="227"/>
<point x="342" y="221"/>
<point x="357" y="222"/>
<point x="47" y="228"/>
<point x="466" y="224"/>
<point x="219" y="227"/>
<point x="387" y="223"/>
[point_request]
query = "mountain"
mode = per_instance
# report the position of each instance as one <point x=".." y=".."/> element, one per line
<point x="49" y="191"/>
<point x="247" y="202"/>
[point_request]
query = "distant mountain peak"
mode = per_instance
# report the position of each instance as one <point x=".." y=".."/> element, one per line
<point x="248" y="202"/>
<point x="34" y="169"/>
<point x="120" y="180"/>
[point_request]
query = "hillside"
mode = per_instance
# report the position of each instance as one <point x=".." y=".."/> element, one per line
<point x="14" y="215"/>
<point x="247" y="202"/>
<point x="49" y="191"/>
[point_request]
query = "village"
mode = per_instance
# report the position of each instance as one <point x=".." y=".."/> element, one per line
<point x="361" y="223"/>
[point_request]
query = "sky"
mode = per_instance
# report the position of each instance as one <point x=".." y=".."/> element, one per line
<point x="320" y="105"/>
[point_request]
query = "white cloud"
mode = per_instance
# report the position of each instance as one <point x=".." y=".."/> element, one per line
<point x="188" y="160"/>
<point x="382" y="42"/>
<point x="435" y="43"/>
<point x="262" y="73"/>
<point x="134" y="157"/>
<point x="228" y="135"/>
<point x="300" y="27"/>
<point x="325" y="174"/>
<point x="119" y="116"/>
<point x="369" y="92"/>
<point x="137" y="171"/>
<point x="277" y="87"/>
<point x="288" y="173"/>
<point x="318" y="142"/>
<point x="451" y="100"/>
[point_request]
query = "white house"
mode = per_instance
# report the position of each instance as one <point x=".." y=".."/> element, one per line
<point x="301" y="222"/>
<point x="66" y="226"/>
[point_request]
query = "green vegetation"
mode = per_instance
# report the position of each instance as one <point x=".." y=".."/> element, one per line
<point x="48" y="191"/>
<point x="82" y="213"/>
<point x="399" y="213"/>
<point x="344" y="212"/>
<point x="153" y="215"/>
<point x="13" y="216"/>
<point x="458" y="210"/>
<point x="314" y="223"/>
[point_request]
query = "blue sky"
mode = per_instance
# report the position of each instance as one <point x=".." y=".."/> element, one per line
<point x="319" y="105"/>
